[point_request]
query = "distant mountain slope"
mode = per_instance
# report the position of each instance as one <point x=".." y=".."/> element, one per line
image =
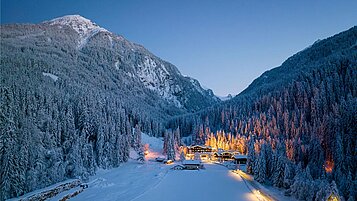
<point x="316" y="56"/>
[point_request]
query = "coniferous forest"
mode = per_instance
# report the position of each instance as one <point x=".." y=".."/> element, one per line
<point x="299" y="130"/>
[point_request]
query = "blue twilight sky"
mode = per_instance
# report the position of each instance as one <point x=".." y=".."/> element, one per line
<point x="224" y="44"/>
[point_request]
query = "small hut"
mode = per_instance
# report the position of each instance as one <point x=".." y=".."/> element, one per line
<point x="239" y="159"/>
<point x="192" y="164"/>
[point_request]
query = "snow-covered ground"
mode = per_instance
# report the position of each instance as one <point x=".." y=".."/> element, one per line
<point x="155" y="146"/>
<point x="124" y="183"/>
<point x="131" y="179"/>
<point x="153" y="181"/>
<point x="214" y="183"/>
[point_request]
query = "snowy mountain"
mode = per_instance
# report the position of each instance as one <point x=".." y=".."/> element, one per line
<point x="71" y="94"/>
<point x="81" y="41"/>
<point x="153" y="73"/>
<point x="225" y="98"/>
<point x="84" y="27"/>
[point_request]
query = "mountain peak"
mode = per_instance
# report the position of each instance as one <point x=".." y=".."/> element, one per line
<point x="80" y="24"/>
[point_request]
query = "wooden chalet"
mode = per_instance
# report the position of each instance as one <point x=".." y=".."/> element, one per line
<point x="223" y="155"/>
<point x="240" y="159"/>
<point x="199" y="149"/>
<point x="192" y="164"/>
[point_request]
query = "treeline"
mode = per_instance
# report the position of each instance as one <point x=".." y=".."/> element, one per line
<point x="301" y="133"/>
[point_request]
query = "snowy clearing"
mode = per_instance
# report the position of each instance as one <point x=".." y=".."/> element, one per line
<point x="155" y="146"/>
<point x="214" y="183"/>
<point x="124" y="183"/>
<point x="155" y="181"/>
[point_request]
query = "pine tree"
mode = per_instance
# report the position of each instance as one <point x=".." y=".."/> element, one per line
<point x="182" y="155"/>
<point x="141" y="156"/>
<point x="251" y="155"/>
<point x="260" y="168"/>
<point x="170" y="144"/>
<point x="136" y="138"/>
<point x="288" y="176"/>
<point x="278" y="174"/>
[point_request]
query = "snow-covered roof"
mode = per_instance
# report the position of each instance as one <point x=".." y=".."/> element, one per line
<point x="201" y="146"/>
<point x="223" y="152"/>
<point x="179" y="165"/>
<point x="239" y="156"/>
<point x="191" y="162"/>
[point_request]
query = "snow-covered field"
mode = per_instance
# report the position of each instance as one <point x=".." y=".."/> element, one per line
<point x="124" y="183"/>
<point x="214" y="183"/>
<point x="154" y="182"/>
<point x="131" y="179"/>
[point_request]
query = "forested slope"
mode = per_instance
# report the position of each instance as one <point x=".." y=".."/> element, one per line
<point x="298" y="121"/>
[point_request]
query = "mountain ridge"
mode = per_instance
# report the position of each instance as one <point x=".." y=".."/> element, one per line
<point x="148" y="69"/>
<point x="332" y="42"/>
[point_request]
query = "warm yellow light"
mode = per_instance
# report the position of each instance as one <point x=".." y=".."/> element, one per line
<point x="333" y="197"/>
<point x="329" y="166"/>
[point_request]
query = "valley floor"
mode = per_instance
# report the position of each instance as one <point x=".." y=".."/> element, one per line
<point x="124" y="183"/>
<point x="155" y="182"/>
<point x="213" y="183"/>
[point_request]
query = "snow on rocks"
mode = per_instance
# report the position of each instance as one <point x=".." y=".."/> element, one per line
<point x="84" y="27"/>
<point x="80" y="24"/>
<point x="116" y="64"/>
<point x="52" y="76"/>
<point x="154" y="77"/>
